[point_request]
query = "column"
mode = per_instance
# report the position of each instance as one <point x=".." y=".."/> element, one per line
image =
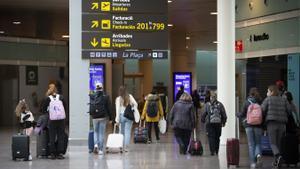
<point x="78" y="78"/>
<point x="226" y="64"/>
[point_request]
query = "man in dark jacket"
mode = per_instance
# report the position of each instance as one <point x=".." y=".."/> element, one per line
<point x="215" y="118"/>
<point x="100" y="112"/>
<point x="180" y="92"/>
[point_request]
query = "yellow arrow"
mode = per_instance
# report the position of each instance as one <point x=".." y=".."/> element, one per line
<point x="94" y="43"/>
<point x="95" y="24"/>
<point x="95" y="5"/>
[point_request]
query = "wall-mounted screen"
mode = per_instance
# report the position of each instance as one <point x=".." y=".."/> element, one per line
<point x="182" y="78"/>
<point x="97" y="75"/>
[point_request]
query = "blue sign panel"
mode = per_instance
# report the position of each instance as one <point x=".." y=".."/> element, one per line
<point x="182" y="79"/>
<point x="97" y="73"/>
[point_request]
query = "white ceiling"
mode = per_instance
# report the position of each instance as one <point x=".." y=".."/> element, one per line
<point x="189" y="16"/>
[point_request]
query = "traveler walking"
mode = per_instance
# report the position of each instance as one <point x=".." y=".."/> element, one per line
<point x="214" y="116"/>
<point x="122" y="101"/>
<point x="152" y="112"/>
<point x="182" y="119"/>
<point x="179" y="93"/>
<point x="275" y="109"/>
<point x="251" y="117"/>
<point x="100" y="111"/>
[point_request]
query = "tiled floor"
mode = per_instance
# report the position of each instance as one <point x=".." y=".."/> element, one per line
<point x="161" y="155"/>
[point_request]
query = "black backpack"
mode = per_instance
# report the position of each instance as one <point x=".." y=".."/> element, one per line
<point x="152" y="108"/>
<point x="98" y="106"/>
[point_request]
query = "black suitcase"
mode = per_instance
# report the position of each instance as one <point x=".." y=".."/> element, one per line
<point x="42" y="144"/>
<point x="140" y="134"/>
<point x="20" y="147"/>
<point x="290" y="149"/>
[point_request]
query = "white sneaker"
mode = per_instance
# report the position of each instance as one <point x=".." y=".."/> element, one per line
<point x="100" y="152"/>
<point x="259" y="162"/>
<point x="253" y="166"/>
<point x="29" y="157"/>
<point x="96" y="150"/>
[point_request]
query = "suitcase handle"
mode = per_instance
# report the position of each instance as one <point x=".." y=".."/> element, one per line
<point x="115" y="126"/>
<point x="195" y="135"/>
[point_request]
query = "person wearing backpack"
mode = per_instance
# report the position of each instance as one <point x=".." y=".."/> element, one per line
<point x="100" y="111"/>
<point x="252" y="119"/>
<point x="275" y="109"/>
<point x="214" y="117"/>
<point x="152" y="112"/>
<point x="54" y="105"/>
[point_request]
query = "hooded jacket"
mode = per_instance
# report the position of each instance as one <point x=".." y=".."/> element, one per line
<point x="160" y="112"/>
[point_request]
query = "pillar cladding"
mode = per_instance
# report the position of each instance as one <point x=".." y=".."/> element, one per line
<point x="78" y="78"/>
<point x="226" y="64"/>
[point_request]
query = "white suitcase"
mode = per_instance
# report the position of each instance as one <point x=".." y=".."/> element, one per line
<point x="115" y="141"/>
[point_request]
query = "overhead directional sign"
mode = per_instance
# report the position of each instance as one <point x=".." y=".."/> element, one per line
<point x="130" y="40"/>
<point x="121" y="6"/>
<point x="130" y="29"/>
<point x="128" y="22"/>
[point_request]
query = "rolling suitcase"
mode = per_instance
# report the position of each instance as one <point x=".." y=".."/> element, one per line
<point x="42" y="144"/>
<point x="195" y="147"/>
<point x="233" y="151"/>
<point x="115" y="141"/>
<point x="91" y="141"/>
<point x="290" y="149"/>
<point x="265" y="145"/>
<point x="233" y="148"/>
<point x="140" y="134"/>
<point x="20" y="147"/>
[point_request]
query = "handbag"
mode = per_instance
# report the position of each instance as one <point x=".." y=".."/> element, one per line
<point x="129" y="112"/>
<point x="162" y="124"/>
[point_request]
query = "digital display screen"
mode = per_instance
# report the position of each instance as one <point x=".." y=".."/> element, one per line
<point x="184" y="79"/>
<point x="97" y="73"/>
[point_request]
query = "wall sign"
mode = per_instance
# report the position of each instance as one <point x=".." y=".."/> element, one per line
<point x="256" y="38"/>
<point x="32" y="75"/>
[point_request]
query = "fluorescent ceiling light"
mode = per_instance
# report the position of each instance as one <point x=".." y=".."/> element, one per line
<point x="65" y="36"/>
<point x="215" y="41"/>
<point x="16" y="22"/>
<point x="2" y="32"/>
<point x="170" y="25"/>
<point x="170" y="1"/>
<point x="214" y="13"/>
<point x="187" y="38"/>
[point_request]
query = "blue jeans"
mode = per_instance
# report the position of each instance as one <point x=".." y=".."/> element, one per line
<point x="254" y="139"/>
<point x="126" y="125"/>
<point x="99" y="131"/>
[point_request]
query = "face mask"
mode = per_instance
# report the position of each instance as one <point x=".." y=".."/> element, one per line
<point x="269" y="93"/>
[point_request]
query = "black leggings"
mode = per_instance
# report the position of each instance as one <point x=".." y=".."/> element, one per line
<point x="183" y="137"/>
<point x="214" y="133"/>
<point x="56" y="133"/>
<point x="156" y="129"/>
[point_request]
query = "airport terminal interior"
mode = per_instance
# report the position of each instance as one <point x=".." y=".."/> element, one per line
<point x="227" y="46"/>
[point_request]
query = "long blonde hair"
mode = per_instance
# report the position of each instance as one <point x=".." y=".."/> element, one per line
<point x="19" y="108"/>
<point x="185" y="97"/>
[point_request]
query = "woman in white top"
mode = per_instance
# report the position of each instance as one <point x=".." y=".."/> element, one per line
<point x="121" y="102"/>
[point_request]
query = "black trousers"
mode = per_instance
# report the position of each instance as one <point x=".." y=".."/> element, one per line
<point x="183" y="137"/>
<point x="156" y="129"/>
<point x="214" y="132"/>
<point x="56" y="134"/>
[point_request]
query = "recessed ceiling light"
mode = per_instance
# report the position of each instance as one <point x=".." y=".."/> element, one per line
<point x="2" y="32"/>
<point x="214" y="13"/>
<point x="16" y="22"/>
<point x="65" y="36"/>
<point x="170" y="1"/>
<point x="170" y="25"/>
<point x="215" y="41"/>
<point x="187" y="38"/>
